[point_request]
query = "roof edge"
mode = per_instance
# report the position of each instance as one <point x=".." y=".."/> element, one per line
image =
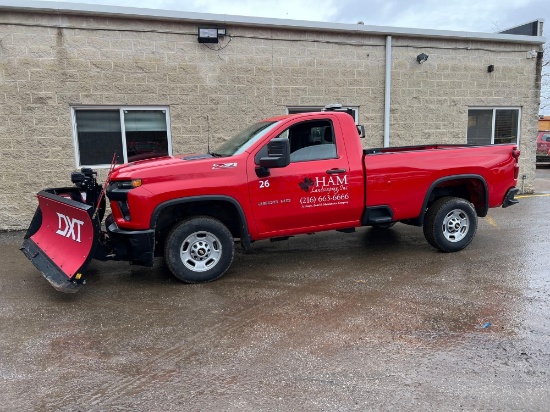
<point x="53" y="7"/>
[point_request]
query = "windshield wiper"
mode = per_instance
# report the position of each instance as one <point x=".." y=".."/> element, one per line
<point x="216" y="154"/>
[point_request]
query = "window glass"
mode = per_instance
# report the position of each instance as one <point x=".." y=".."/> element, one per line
<point x="99" y="136"/>
<point x="506" y="126"/>
<point x="146" y="134"/>
<point x="132" y="133"/>
<point x="243" y="140"/>
<point x="312" y="140"/>
<point x="480" y="126"/>
<point x="493" y="126"/>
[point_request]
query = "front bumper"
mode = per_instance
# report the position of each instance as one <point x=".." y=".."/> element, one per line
<point x="509" y="198"/>
<point x="136" y="246"/>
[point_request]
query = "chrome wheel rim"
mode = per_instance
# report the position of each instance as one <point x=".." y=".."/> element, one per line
<point x="456" y="225"/>
<point x="201" y="251"/>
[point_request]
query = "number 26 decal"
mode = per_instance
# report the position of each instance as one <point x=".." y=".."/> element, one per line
<point x="264" y="183"/>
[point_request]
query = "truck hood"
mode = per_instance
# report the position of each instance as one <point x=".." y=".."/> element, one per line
<point x="171" y="166"/>
<point x="156" y="162"/>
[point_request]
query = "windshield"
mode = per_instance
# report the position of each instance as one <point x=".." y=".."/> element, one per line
<point x="242" y="141"/>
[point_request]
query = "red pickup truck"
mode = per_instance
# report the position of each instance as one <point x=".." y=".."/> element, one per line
<point x="543" y="147"/>
<point x="279" y="177"/>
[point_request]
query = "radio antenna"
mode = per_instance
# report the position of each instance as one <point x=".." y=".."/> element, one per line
<point x="208" y="132"/>
<point x="113" y="165"/>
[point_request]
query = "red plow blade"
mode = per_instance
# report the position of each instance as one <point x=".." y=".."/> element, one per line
<point x="65" y="240"/>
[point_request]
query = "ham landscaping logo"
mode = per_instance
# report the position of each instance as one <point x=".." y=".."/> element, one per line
<point x="324" y="191"/>
<point x="306" y="184"/>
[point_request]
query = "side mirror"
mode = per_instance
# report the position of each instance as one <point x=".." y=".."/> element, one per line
<point x="278" y="154"/>
<point x="361" y="130"/>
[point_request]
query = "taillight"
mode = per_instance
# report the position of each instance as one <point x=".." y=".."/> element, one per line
<point x="515" y="155"/>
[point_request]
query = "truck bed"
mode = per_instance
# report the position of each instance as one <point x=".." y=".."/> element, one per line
<point x="411" y="148"/>
<point x="403" y="178"/>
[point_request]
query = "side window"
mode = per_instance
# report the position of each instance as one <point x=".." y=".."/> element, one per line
<point x="312" y="140"/>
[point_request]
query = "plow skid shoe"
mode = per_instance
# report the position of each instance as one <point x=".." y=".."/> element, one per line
<point x="61" y="240"/>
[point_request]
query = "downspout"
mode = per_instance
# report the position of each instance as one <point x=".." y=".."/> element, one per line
<point x="387" y="93"/>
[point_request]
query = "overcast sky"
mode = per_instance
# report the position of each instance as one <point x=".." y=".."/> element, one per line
<point x="462" y="15"/>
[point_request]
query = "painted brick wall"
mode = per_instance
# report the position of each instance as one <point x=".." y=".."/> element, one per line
<point x="48" y="63"/>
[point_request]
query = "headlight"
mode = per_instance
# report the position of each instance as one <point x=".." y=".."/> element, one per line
<point x="119" y="189"/>
<point x="128" y="184"/>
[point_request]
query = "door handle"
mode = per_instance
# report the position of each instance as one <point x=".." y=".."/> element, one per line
<point x="336" y="171"/>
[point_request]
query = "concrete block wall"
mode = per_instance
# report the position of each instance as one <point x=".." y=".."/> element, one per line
<point x="50" y="62"/>
<point x="430" y="101"/>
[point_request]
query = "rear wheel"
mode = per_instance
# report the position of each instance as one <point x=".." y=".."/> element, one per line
<point x="199" y="250"/>
<point x="450" y="224"/>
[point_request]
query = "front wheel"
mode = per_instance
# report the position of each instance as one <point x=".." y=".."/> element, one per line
<point x="450" y="224"/>
<point x="199" y="249"/>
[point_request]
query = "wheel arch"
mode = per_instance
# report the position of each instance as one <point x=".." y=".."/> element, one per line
<point x="471" y="187"/>
<point x="223" y="208"/>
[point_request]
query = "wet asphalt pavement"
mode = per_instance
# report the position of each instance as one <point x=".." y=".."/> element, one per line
<point x="374" y="320"/>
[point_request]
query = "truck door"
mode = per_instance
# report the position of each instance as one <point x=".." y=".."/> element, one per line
<point x="313" y="190"/>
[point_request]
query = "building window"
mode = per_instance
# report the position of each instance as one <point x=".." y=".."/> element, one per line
<point x="133" y="133"/>
<point x="353" y="110"/>
<point x="493" y="125"/>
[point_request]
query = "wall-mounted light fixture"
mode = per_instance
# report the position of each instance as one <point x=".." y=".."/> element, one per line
<point x="490" y="68"/>
<point x="210" y="34"/>
<point x="421" y="58"/>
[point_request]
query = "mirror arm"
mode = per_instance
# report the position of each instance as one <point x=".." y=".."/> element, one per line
<point x="262" y="171"/>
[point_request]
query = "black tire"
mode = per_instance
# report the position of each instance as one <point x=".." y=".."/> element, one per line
<point x="450" y="224"/>
<point x="199" y="249"/>
<point x="383" y="225"/>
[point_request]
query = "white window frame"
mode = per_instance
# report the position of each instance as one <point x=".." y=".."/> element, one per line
<point x="121" y="110"/>
<point x="306" y="109"/>
<point x="494" y="109"/>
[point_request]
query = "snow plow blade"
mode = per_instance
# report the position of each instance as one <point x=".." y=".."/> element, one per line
<point x="62" y="238"/>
